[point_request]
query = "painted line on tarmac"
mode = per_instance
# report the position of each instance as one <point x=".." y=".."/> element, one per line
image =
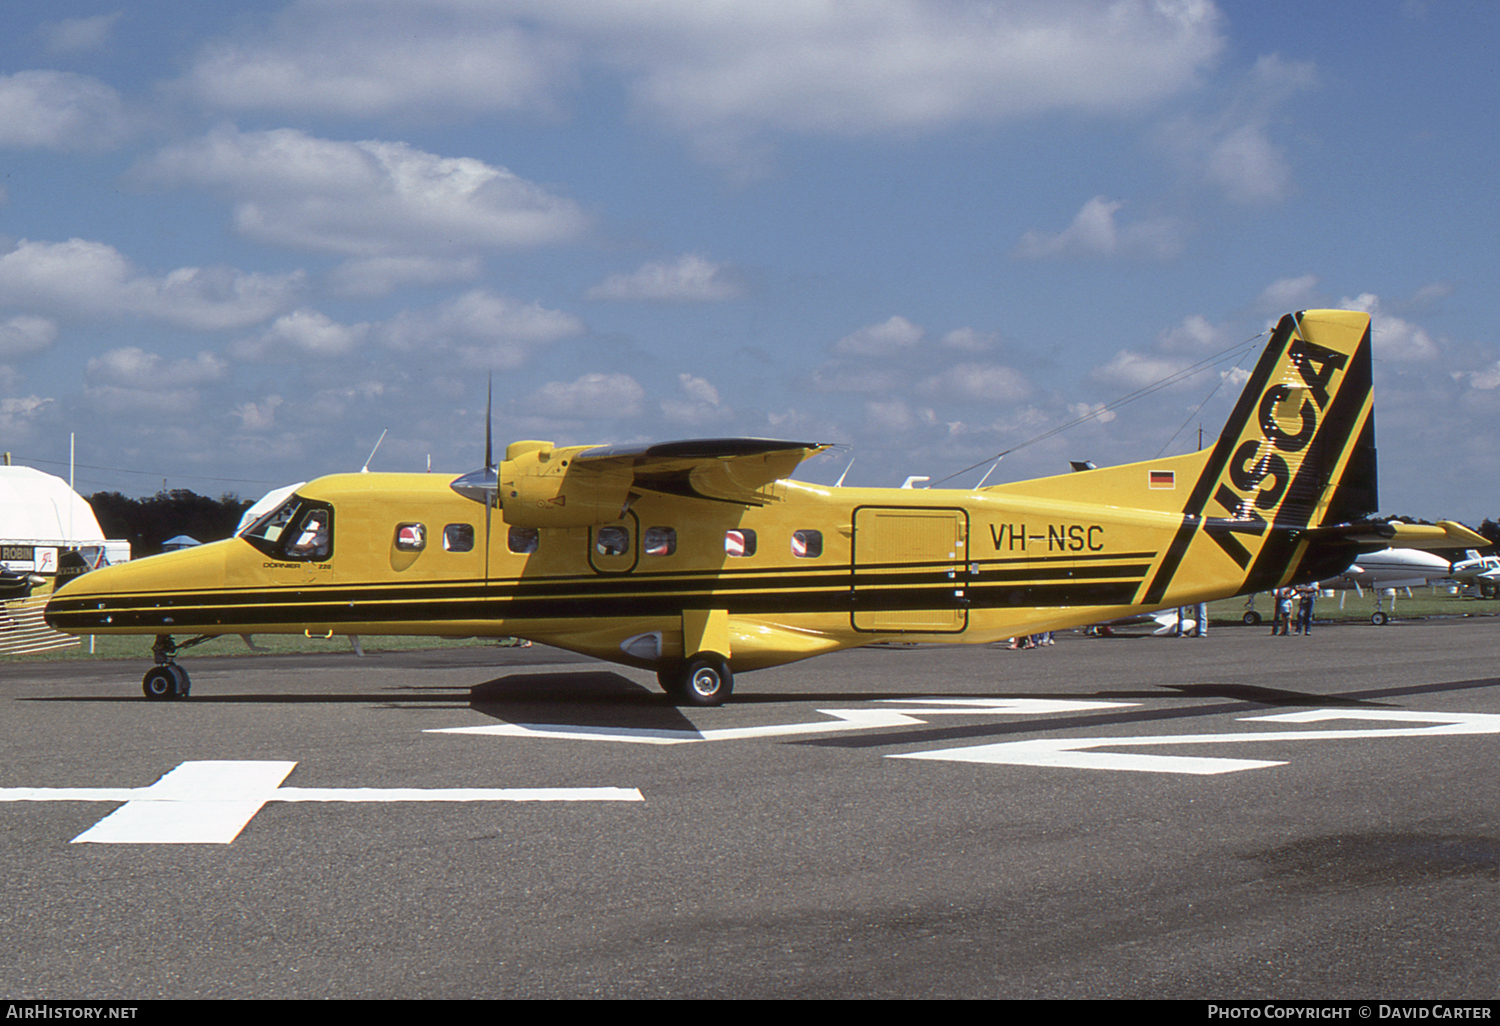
<point x="211" y="802"/>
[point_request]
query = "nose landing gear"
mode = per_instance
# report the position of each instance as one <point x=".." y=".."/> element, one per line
<point x="166" y="681"/>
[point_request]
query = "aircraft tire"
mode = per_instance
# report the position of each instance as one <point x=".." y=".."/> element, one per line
<point x="1379" y="619"/>
<point x="1251" y="618"/>
<point x="165" y="683"/>
<point x="705" y="681"/>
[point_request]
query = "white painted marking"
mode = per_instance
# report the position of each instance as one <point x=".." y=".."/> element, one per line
<point x="211" y="802"/>
<point x="1077" y="752"/>
<point x="843" y="720"/>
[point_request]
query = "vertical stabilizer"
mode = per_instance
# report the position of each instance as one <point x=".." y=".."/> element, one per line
<point x="1298" y="452"/>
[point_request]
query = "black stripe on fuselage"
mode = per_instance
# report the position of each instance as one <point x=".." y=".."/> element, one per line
<point x="761" y="592"/>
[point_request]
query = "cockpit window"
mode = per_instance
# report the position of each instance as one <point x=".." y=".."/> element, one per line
<point x="296" y="530"/>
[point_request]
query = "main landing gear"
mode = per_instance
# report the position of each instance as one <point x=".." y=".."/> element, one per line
<point x="166" y="681"/>
<point x="703" y="680"/>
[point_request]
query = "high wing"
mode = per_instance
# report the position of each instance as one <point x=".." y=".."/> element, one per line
<point x="722" y="469"/>
<point x="541" y="485"/>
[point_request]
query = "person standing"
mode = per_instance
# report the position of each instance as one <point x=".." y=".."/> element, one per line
<point x="1306" y="594"/>
<point x="1282" y="597"/>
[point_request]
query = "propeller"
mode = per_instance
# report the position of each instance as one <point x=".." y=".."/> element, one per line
<point x="484" y="485"/>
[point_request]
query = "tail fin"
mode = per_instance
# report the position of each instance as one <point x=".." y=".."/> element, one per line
<point x="1298" y="452"/>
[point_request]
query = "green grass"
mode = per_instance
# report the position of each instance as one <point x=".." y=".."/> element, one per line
<point x="1424" y="602"/>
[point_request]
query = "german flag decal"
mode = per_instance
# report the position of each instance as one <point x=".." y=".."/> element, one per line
<point x="1163" y="479"/>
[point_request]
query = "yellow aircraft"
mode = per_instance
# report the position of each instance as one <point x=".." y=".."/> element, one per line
<point x="700" y="559"/>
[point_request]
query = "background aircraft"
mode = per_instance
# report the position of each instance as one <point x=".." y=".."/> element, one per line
<point x="1479" y="572"/>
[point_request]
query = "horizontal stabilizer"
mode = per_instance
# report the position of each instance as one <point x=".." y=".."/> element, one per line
<point x="1445" y="534"/>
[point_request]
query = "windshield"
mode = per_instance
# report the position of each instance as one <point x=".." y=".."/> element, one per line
<point x="298" y="529"/>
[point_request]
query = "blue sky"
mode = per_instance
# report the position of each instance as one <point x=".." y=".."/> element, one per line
<point x="239" y="241"/>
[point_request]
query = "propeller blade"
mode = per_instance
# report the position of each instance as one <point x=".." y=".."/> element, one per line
<point x="489" y="448"/>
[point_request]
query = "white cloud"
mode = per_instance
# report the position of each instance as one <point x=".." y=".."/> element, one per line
<point x="18" y="415"/>
<point x="258" y="416"/>
<point x="977" y="382"/>
<point x="725" y="71"/>
<point x="133" y="368"/>
<point x="970" y="341"/>
<point x="365" y="199"/>
<point x="1137" y="370"/>
<point x="318" y="59"/>
<point x="1249" y="167"/>
<point x="304" y="331"/>
<point x="590" y="397"/>
<point x="95" y="280"/>
<point x="1392" y="337"/>
<point x="58" y="110"/>
<point x="1287" y="294"/>
<point x="380" y="276"/>
<point x="884" y="339"/>
<point x="1194" y="335"/>
<point x="24" y="335"/>
<point x="691" y="279"/>
<point x="1232" y="150"/>
<point x="700" y="406"/>
<point x="486" y="330"/>
<point x="1095" y="232"/>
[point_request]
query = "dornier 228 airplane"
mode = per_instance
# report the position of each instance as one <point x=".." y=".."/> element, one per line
<point x="701" y="560"/>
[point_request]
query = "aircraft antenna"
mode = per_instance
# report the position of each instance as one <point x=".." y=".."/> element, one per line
<point x="987" y="473"/>
<point x="840" y="482"/>
<point x="366" y="468"/>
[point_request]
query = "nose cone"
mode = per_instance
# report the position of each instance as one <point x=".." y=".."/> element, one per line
<point x="154" y="595"/>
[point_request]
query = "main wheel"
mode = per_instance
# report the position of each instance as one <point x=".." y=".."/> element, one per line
<point x="165" y="683"/>
<point x="1251" y="618"/>
<point x="706" y="681"/>
<point x="1378" y="618"/>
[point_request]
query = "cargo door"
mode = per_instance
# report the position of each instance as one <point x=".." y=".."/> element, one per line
<point x="909" y="570"/>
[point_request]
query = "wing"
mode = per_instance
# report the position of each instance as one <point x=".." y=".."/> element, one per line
<point x="721" y="469"/>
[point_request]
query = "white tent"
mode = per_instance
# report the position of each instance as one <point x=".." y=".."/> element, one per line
<point x="40" y="507"/>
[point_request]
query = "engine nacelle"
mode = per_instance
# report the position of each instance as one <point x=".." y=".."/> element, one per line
<point x="539" y="488"/>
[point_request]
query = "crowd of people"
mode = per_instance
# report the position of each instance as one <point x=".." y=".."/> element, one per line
<point x="1292" y="614"/>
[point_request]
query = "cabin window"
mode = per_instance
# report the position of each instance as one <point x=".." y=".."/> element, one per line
<point x="659" y="541"/>
<point x="739" y="542"/>
<point x="458" y="538"/>
<point x="612" y="541"/>
<point x="411" y="537"/>
<point x="295" y="530"/>
<point x="807" y="544"/>
<point x="522" y="539"/>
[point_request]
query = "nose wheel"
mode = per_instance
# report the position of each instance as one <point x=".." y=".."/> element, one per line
<point x="166" y="683"/>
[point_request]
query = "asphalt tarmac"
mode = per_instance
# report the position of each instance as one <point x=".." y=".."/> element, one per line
<point x="1238" y="816"/>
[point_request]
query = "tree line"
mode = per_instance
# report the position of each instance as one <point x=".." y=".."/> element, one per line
<point x="150" y="521"/>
